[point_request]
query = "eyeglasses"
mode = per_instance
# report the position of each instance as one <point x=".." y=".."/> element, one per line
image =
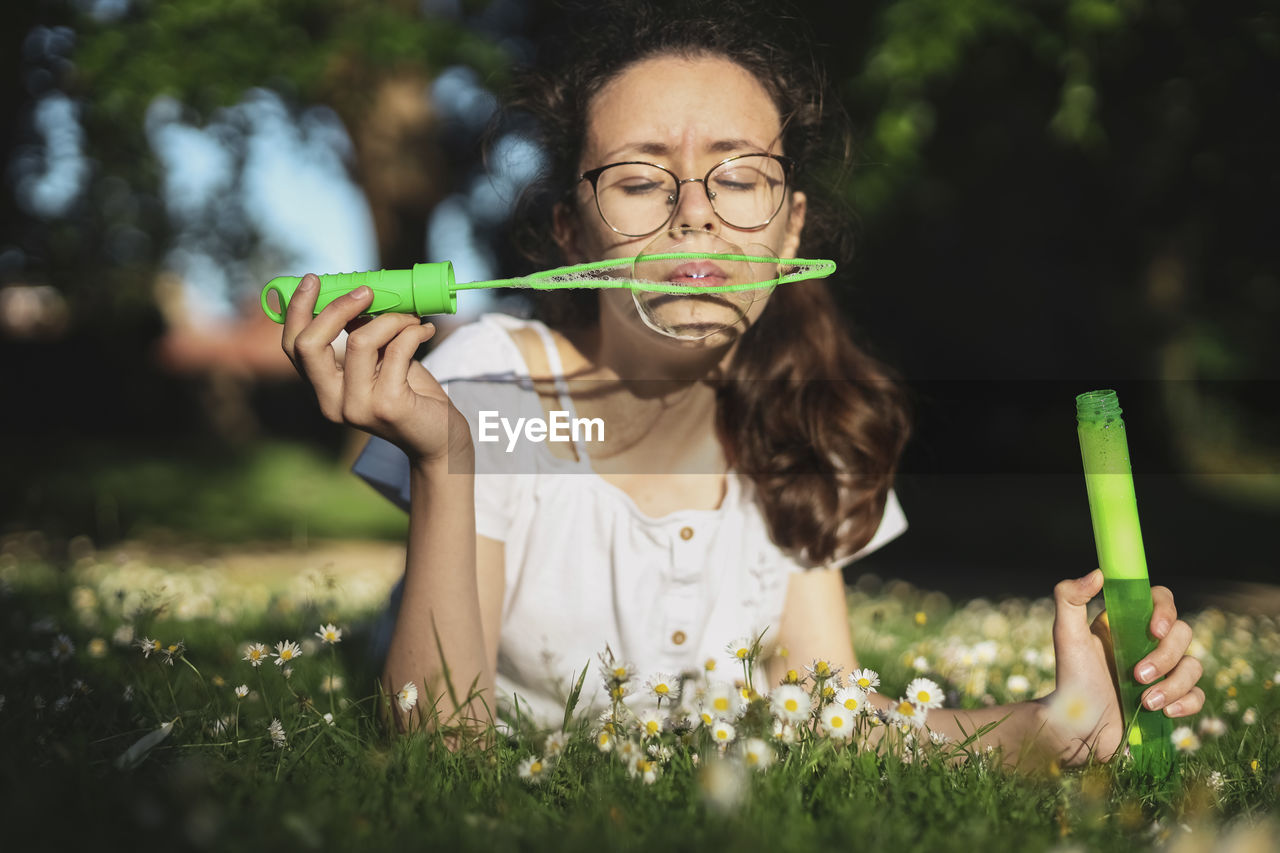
<point x="637" y="199"/>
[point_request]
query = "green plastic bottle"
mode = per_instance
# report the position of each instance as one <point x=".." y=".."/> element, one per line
<point x="1113" y="507"/>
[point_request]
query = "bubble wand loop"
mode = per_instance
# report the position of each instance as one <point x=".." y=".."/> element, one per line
<point x="431" y="289"/>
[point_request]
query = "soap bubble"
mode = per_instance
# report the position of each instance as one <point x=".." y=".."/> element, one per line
<point x="706" y="308"/>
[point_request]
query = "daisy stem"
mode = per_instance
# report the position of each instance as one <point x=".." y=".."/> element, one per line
<point x="169" y="684"/>
<point x="262" y="685"/>
<point x="333" y="667"/>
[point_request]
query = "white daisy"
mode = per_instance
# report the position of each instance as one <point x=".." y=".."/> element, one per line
<point x="784" y="732"/>
<point x="408" y="696"/>
<point x="757" y="754"/>
<point x="837" y="723"/>
<point x="287" y="651"/>
<point x="907" y="713"/>
<point x="1249" y="717"/>
<point x="1018" y="684"/>
<point x="533" y="770"/>
<point x="331" y="684"/>
<point x="629" y="751"/>
<point x="62" y="648"/>
<point x="1213" y="726"/>
<point x="723" y="732"/>
<point x="852" y="700"/>
<point x="554" y="745"/>
<point x="651" y="722"/>
<point x="1184" y="739"/>
<point x="148" y="646"/>
<point x="604" y="739"/>
<point x="821" y="669"/>
<point x="173" y="652"/>
<point x="790" y="703"/>
<point x="723" y="699"/>
<point x="924" y="693"/>
<point x="329" y="634"/>
<point x="865" y="680"/>
<point x="242" y="691"/>
<point x="740" y="649"/>
<point x="276" y="730"/>
<point x="646" y="769"/>
<point x="328" y="718"/>
<point x="664" y="686"/>
<point x="255" y="654"/>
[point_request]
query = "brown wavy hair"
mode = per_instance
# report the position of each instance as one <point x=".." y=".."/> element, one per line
<point x="816" y="422"/>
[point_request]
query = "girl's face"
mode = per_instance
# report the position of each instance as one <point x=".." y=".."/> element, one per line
<point x="685" y="115"/>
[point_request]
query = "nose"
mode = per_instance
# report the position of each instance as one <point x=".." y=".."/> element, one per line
<point x="694" y="207"/>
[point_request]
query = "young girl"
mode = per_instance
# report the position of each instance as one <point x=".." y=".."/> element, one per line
<point x="737" y="473"/>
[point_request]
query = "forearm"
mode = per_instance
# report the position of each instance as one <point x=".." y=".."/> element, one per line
<point x="439" y="624"/>
<point x="1018" y="730"/>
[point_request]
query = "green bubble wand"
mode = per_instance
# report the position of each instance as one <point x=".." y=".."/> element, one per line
<point x="1113" y="508"/>
<point x="430" y="288"/>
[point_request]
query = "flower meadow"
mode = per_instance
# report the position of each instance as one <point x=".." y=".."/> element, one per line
<point x="168" y="707"/>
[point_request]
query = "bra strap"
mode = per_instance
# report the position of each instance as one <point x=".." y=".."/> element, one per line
<point x="562" y="385"/>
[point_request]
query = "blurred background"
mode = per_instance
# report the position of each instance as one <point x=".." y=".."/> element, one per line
<point x="1052" y="197"/>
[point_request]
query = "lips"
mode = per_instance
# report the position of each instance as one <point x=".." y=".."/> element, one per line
<point x="698" y="274"/>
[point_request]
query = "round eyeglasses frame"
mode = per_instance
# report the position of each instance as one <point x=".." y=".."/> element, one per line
<point x="593" y="175"/>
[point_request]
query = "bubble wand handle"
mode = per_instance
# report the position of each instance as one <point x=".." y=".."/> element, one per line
<point x="1113" y="508"/>
<point x="425" y="289"/>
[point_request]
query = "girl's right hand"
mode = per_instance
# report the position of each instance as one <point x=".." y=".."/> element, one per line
<point x="379" y="387"/>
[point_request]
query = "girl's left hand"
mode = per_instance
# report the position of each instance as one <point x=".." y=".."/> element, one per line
<point x="1083" y="713"/>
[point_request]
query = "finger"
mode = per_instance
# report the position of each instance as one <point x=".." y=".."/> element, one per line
<point x="1164" y="613"/>
<point x="1179" y="683"/>
<point x="300" y="311"/>
<point x="1071" y="598"/>
<point x="401" y="350"/>
<point x="1187" y="705"/>
<point x="1167" y="653"/>
<point x="360" y="365"/>
<point x="321" y="331"/>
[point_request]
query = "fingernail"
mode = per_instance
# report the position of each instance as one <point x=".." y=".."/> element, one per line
<point x="308" y="283"/>
<point x="1155" y="700"/>
<point x="1173" y="710"/>
<point x="1162" y="628"/>
<point x="1146" y="672"/>
<point x="360" y="292"/>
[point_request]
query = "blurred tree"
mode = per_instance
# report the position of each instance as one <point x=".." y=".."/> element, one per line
<point x="371" y="62"/>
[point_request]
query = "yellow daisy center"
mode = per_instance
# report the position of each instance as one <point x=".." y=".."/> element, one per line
<point x="837" y="722"/>
<point x="535" y="768"/>
<point x="651" y="727"/>
<point x="791" y="705"/>
<point x="851" y="704"/>
<point x="906" y="709"/>
<point x="722" y="734"/>
<point x="924" y="696"/>
<point x="620" y="672"/>
<point x="742" y="653"/>
<point x="721" y="703"/>
<point x="864" y="682"/>
<point x="662" y="690"/>
<point x="753" y="759"/>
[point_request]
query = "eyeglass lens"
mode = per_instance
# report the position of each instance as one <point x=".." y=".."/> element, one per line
<point x="637" y="198"/>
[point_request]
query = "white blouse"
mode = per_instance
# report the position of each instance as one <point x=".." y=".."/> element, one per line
<point x="585" y="567"/>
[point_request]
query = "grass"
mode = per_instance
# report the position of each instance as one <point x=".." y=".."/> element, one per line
<point x="177" y="491"/>
<point x="217" y="781"/>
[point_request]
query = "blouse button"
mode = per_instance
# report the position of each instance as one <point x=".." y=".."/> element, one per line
<point x="678" y="638"/>
<point x="686" y="533"/>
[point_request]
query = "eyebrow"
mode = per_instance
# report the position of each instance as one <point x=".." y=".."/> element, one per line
<point x="720" y="146"/>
